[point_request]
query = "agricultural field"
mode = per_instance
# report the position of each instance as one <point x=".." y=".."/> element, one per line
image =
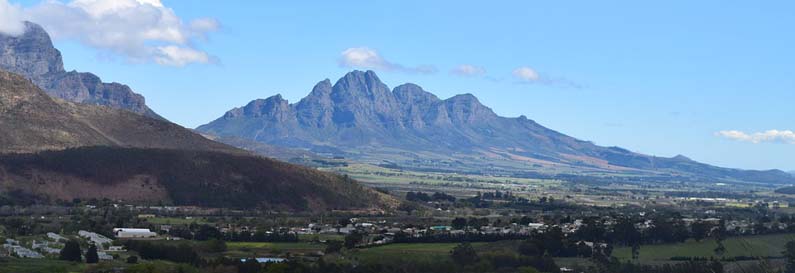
<point x="456" y="184"/>
<point x="748" y="246"/>
<point x="175" y="220"/>
<point x="404" y="252"/>
<point x="257" y="249"/>
<point x="14" y="265"/>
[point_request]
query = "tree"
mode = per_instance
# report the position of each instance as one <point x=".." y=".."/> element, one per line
<point x="249" y="266"/>
<point x="789" y="255"/>
<point x="719" y="233"/>
<point x="333" y="246"/>
<point x="625" y="232"/>
<point x="92" y="256"/>
<point x="530" y="248"/>
<point x="71" y="252"/>
<point x="132" y="259"/>
<point x="700" y="230"/>
<point x="459" y="223"/>
<point x="214" y="246"/>
<point x="464" y="254"/>
<point x="353" y="239"/>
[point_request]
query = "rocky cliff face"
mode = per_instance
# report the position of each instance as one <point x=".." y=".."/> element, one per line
<point x="32" y="55"/>
<point x="360" y="117"/>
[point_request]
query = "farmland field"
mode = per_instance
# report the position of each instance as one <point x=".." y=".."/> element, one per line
<point x="414" y="252"/>
<point x="750" y="246"/>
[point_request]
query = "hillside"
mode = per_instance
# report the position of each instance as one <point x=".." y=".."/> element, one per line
<point x="359" y="117"/>
<point x="179" y="177"/>
<point x="33" y="121"/>
<point x="33" y="55"/>
<point x="58" y="150"/>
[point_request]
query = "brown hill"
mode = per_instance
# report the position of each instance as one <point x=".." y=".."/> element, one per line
<point x="56" y="150"/>
<point x="33" y="121"/>
<point x="179" y="177"/>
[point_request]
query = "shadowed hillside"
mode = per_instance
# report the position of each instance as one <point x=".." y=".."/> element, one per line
<point x="200" y="178"/>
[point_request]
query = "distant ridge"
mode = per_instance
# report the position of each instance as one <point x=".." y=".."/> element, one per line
<point x="359" y="117"/>
<point x="32" y="55"/>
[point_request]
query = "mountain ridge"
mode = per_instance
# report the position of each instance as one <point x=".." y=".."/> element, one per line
<point x="54" y="150"/>
<point x="361" y="118"/>
<point x="33" y="55"/>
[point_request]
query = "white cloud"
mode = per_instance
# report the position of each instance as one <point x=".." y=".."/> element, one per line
<point x="526" y="74"/>
<point x="771" y="136"/>
<point x="138" y="30"/>
<point x="11" y="19"/>
<point x="468" y="70"/>
<point x="180" y="56"/>
<point x="364" y="57"/>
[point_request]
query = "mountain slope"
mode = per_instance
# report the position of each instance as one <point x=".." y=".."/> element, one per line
<point x="32" y="55"/>
<point x="180" y="177"/>
<point x="361" y="118"/>
<point x="52" y="150"/>
<point x="33" y="121"/>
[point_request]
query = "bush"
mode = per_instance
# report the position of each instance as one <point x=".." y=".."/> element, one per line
<point x="71" y="252"/>
<point x="132" y="260"/>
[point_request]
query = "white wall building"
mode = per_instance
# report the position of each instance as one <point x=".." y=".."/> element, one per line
<point x="128" y="233"/>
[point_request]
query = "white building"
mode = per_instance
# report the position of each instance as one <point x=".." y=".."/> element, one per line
<point x="128" y="233"/>
<point x="55" y="237"/>
<point x="97" y="239"/>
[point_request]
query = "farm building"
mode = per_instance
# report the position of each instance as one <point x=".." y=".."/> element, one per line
<point x="133" y="233"/>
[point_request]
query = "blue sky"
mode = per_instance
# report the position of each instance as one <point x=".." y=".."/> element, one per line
<point x="660" y="78"/>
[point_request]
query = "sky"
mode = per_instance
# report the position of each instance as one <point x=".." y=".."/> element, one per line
<point x="711" y="80"/>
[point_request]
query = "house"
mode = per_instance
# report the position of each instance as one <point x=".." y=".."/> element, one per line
<point x="97" y="239"/>
<point x="129" y="233"/>
<point x="56" y="237"/>
<point x="265" y="260"/>
<point x="115" y="248"/>
<point x="104" y="256"/>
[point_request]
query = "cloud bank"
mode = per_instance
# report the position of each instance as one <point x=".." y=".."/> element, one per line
<point x="138" y="30"/>
<point x="367" y="58"/>
<point x="769" y="136"/>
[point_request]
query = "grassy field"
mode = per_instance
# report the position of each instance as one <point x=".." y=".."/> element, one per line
<point x="249" y="249"/>
<point x="322" y="237"/>
<point x="751" y="246"/>
<point x="15" y="265"/>
<point x="174" y="221"/>
<point x="413" y="252"/>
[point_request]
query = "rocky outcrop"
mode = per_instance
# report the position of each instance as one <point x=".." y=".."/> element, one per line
<point x="32" y="55"/>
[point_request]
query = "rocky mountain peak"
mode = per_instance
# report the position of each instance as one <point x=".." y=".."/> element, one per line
<point x="411" y="93"/>
<point x="33" y="56"/>
<point x="361" y="85"/>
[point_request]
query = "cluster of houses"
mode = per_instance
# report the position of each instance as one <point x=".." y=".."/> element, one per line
<point x="14" y="248"/>
<point x="54" y="242"/>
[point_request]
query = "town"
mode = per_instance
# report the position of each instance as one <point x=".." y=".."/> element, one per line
<point x="561" y="236"/>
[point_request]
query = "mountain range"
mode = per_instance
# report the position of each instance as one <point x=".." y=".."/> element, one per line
<point x="360" y="118"/>
<point x="33" y="55"/>
<point x="55" y="150"/>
